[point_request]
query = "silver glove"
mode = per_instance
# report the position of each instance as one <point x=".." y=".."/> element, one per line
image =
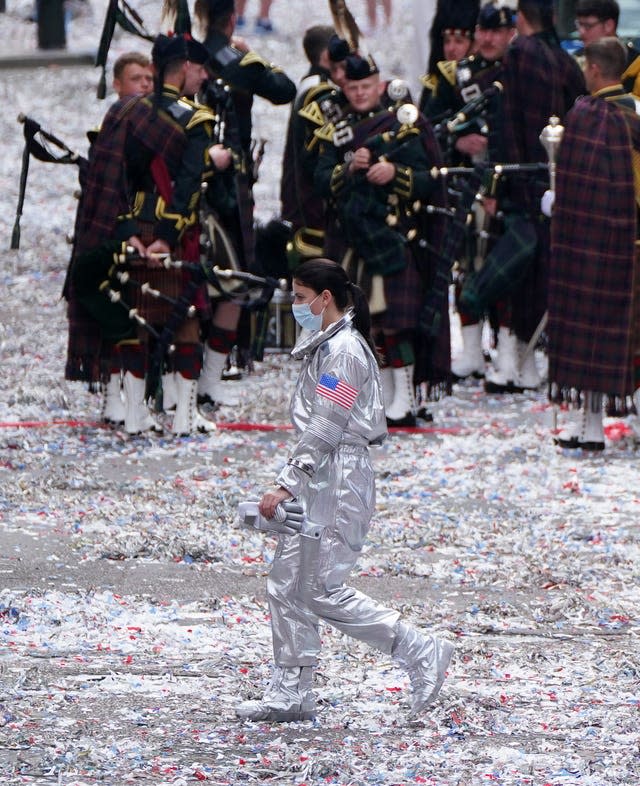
<point x="288" y="520"/>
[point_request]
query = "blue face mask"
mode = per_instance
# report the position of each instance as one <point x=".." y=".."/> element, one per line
<point x="305" y="317"/>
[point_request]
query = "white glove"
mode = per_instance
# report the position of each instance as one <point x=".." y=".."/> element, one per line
<point x="547" y="202"/>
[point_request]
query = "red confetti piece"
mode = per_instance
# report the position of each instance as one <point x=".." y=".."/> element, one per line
<point x="617" y="431"/>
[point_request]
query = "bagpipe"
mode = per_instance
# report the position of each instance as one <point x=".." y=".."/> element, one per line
<point x="113" y="267"/>
<point x="345" y="24"/>
<point x="475" y="116"/>
<point x="46" y="147"/>
<point x="105" y="280"/>
<point x="217" y="96"/>
<point x="473" y="109"/>
<point x="43" y="145"/>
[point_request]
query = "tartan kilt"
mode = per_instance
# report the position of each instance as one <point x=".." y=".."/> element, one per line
<point x="155" y="310"/>
<point x="170" y="282"/>
<point x="504" y="268"/>
<point x="95" y="323"/>
<point x="87" y="356"/>
<point x="403" y="293"/>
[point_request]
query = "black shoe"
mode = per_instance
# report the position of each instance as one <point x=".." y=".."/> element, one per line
<point x="499" y="387"/>
<point x="573" y="443"/>
<point x="207" y="404"/>
<point x="231" y="374"/>
<point x="111" y="423"/>
<point x="408" y="421"/>
<point x="424" y="414"/>
<point x="473" y="375"/>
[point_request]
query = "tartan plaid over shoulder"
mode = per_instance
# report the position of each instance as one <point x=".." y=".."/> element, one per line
<point x="129" y="122"/>
<point x="592" y="308"/>
<point x="130" y="125"/>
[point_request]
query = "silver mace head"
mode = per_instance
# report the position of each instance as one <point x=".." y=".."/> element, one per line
<point x="551" y="136"/>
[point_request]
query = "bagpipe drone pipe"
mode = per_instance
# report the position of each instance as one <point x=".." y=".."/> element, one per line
<point x="105" y="281"/>
<point x="501" y="258"/>
<point x="505" y="256"/>
<point x="46" y="147"/>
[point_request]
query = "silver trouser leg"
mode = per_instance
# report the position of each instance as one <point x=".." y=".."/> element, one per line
<point x="296" y="641"/>
<point x="307" y="580"/>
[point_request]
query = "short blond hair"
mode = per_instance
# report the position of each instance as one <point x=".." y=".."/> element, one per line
<point x="126" y="59"/>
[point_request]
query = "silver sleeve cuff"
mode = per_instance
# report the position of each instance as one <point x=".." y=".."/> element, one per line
<point x="293" y="478"/>
<point x="306" y="468"/>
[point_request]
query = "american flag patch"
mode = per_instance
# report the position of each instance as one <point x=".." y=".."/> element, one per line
<point x="336" y="390"/>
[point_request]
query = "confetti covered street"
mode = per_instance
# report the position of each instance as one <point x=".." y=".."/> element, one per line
<point x="133" y="615"/>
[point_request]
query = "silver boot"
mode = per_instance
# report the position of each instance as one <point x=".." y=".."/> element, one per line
<point x="426" y="659"/>
<point x="289" y="697"/>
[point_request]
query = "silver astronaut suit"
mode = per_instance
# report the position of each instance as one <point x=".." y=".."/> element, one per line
<point x="337" y="412"/>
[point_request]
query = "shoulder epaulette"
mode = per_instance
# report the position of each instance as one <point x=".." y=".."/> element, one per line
<point x="313" y="92"/>
<point x="307" y="83"/>
<point x="325" y="134"/>
<point x="313" y="113"/>
<point x="633" y="69"/>
<point x="448" y="70"/>
<point x="251" y="58"/>
<point x="227" y="55"/>
<point x="180" y="108"/>
<point x="201" y="114"/>
<point x="429" y="81"/>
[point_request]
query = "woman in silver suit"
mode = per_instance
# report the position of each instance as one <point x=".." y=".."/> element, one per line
<point x="337" y="411"/>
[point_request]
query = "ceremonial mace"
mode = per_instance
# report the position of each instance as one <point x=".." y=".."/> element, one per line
<point x="550" y="138"/>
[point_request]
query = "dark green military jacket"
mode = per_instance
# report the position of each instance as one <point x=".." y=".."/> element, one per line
<point x="377" y="221"/>
<point x="167" y="193"/>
